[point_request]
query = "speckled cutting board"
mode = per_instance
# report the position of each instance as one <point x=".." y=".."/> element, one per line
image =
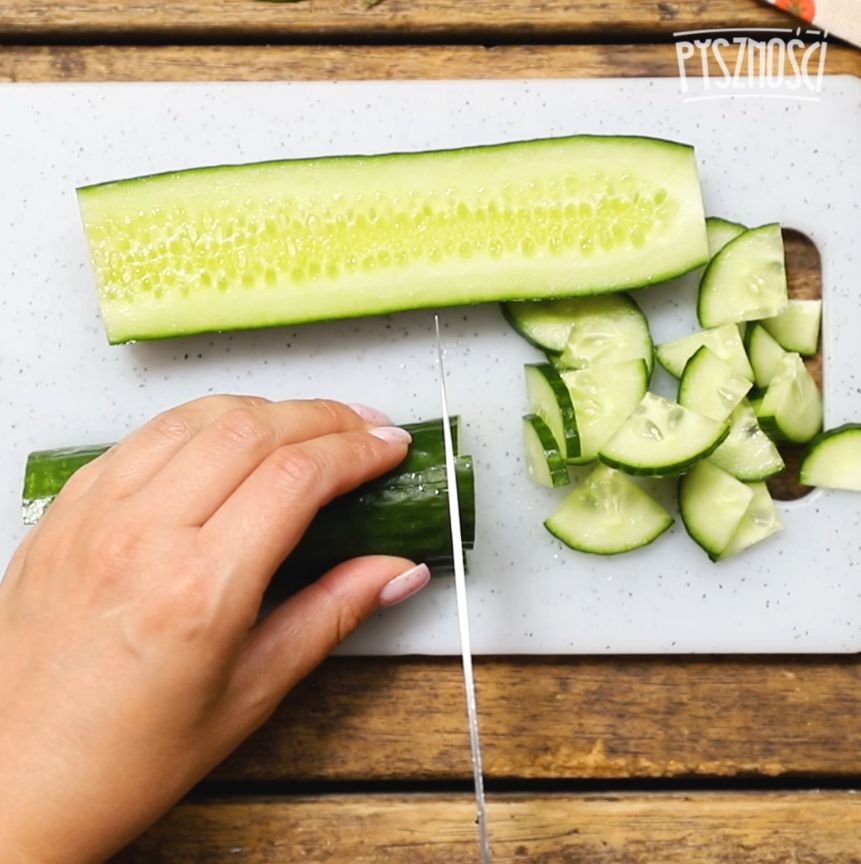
<point x="760" y="159"/>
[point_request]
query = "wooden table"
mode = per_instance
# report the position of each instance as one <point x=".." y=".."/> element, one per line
<point x="606" y="761"/>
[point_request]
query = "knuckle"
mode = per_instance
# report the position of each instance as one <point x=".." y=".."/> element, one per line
<point x="296" y="469"/>
<point x="331" y="411"/>
<point x="244" y="426"/>
<point x="342" y="616"/>
<point x="172" y="427"/>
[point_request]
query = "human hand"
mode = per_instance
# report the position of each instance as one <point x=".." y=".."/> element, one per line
<point x="131" y="661"/>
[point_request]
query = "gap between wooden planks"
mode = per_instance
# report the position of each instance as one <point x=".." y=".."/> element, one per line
<point x="699" y="828"/>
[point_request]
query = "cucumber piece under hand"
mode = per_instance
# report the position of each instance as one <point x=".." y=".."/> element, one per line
<point x="797" y="327"/>
<point x="747" y="452"/>
<point x="833" y="459"/>
<point x="710" y="386"/>
<point x="724" y="341"/>
<point x="791" y="409"/>
<point x="550" y="400"/>
<point x="544" y="463"/>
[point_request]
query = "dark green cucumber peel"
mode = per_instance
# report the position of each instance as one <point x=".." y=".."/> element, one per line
<point x="404" y="512"/>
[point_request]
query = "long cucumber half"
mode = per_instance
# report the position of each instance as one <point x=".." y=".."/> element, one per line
<point x="404" y="512"/>
<point x="245" y="246"/>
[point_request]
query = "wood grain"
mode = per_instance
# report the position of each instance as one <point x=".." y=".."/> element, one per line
<point x="522" y="20"/>
<point x="706" y="828"/>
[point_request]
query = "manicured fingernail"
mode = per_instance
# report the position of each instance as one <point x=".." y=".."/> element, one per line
<point x="403" y="586"/>
<point x="392" y="434"/>
<point x="370" y="415"/>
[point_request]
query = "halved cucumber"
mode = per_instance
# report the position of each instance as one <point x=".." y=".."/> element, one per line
<point x="607" y="514"/>
<point x="746" y="280"/>
<point x="241" y="246"/>
<point x="797" y="327"/>
<point x="710" y="387"/>
<point x="712" y="504"/>
<point x="604" y="397"/>
<point x="661" y="437"/>
<point x="764" y="353"/>
<point x="544" y="463"/>
<point x="759" y="522"/>
<point x="833" y="459"/>
<point x="747" y="452"/>
<point x="719" y="232"/>
<point x="550" y="400"/>
<point x="724" y="341"/>
<point x="791" y="409"/>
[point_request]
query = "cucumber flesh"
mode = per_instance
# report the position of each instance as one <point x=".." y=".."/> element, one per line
<point x="719" y="232"/>
<point x="746" y="280"/>
<point x="833" y="459"/>
<point x="267" y="244"/>
<point x="544" y="323"/>
<point x="760" y="521"/>
<point x="604" y="397"/>
<point x="765" y="354"/>
<point x="797" y="327"/>
<point x="545" y="465"/>
<point x="712" y="504"/>
<point x="550" y="400"/>
<point x="791" y="409"/>
<point x="710" y="387"/>
<point x="607" y="514"/>
<point x="661" y="437"/>
<point x="724" y="341"/>
<point x="747" y="452"/>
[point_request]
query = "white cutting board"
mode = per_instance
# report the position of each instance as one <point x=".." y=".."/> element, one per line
<point x="761" y="160"/>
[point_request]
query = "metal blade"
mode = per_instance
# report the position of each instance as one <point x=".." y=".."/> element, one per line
<point x="462" y="610"/>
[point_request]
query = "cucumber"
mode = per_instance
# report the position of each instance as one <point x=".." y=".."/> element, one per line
<point x="833" y="459"/>
<point x="719" y="232"/>
<point x="710" y="387"/>
<point x="550" y="400"/>
<point x="604" y="397"/>
<point x="608" y="514"/>
<point x="543" y="323"/>
<point x="746" y="280"/>
<point x="246" y="246"/>
<point x="760" y="521"/>
<point x="724" y="341"/>
<point x="797" y="327"/>
<point x="765" y="354"/>
<point x="747" y="452"/>
<point x="791" y="409"/>
<point x="661" y="437"/>
<point x="404" y="512"/>
<point x="712" y="504"/>
<point x="545" y="465"/>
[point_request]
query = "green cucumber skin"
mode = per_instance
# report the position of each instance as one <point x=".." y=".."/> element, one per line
<point x="404" y="512"/>
<point x="822" y="439"/>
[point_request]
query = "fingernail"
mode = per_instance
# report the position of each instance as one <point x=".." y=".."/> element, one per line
<point x="392" y="434"/>
<point x="403" y="586"/>
<point x="370" y="415"/>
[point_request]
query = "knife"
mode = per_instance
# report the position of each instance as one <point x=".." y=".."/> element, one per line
<point x="462" y="610"/>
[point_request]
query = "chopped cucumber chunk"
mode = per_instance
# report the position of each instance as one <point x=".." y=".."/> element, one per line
<point x="747" y="452"/>
<point x="712" y="504"/>
<point x="661" y="437"/>
<point x="765" y="354"/>
<point x="833" y="459"/>
<point x="607" y="514"/>
<point x="797" y="327"/>
<point x="719" y="232"/>
<point x="544" y="463"/>
<point x="604" y="397"/>
<point x="710" y="387"/>
<point x="746" y="280"/>
<point x="759" y="522"/>
<point x="791" y="409"/>
<point x="550" y="400"/>
<point x="724" y="341"/>
<point x="544" y="323"/>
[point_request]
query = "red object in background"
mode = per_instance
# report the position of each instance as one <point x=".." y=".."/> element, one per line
<point x="804" y="9"/>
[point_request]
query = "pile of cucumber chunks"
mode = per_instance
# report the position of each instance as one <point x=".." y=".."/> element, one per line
<point x="743" y="387"/>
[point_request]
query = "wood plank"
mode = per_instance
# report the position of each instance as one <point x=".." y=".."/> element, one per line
<point x="298" y="62"/>
<point x="706" y="828"/>
<point x="522" y="20"/>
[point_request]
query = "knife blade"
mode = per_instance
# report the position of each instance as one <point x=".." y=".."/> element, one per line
<point x="462" y="609"/>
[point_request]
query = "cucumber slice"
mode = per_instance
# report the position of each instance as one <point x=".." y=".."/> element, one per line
<point x="712" y="504"/>
<point x="608" y="329"/>
<point x="724" y="341"/>
<point x="607" y="514"/>
<point x="765" y="354"/>
<point x="791" y="409"/>
<point x="747" y="452"/>
<point x="544" y="463"/>
<point x="746" y="280"/>
<point x="243" y="246"/>
<point x="797" y="327"/>
<point x="544" y="323"/>
<point x="759" y="522"/>
<point x="710" y="387"/>
<point x="550" y="400"/>
<point x="661" y="437"/>
<point x="604" y="397"/>
<point x="719" y="232"/>
<point x="833" y="459"/>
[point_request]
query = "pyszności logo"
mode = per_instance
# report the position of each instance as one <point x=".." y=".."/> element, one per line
<point x="775" y="63"/>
